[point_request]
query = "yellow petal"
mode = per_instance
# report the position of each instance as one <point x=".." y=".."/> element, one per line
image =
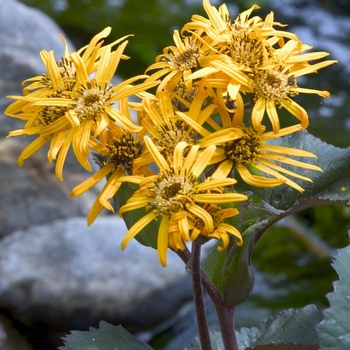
<point x="289" y="151"/>
<point x="258" y="115"/>
<point x="136" y="228"/>
<point x="163" y="240"/>
<point x="111" y="188"/>
<point x="32" y="148"/>
<point x="298" y="111"/>
<point x="220" y="137"/>
<point x="215" y="198"/>
<point x="63" y="153"/>
<point x="223" y="170"/>
<point x="321" y="93"/>
<point x="94" y="211"/>
<point x="285" y="171"/>
<point x="202" y="214"/>
<point x="292" y="162"/>
<point x="233" y="72"/>
<point x="211" y="184"/>
<point x="203" y="160"/>
<point x="191" y="156"/>
<point x="178" y="155"/>
<point x="276" y="174"/>
<point x="116" y="115"/>
<point x="233" y="231"/>
<point x="202" y="131"/>
<point x="273" y="116"/>
<point x="53" y="70"/>
<point x="92" y="181"/>
<point x="312" y="68"/>
<point x="94" y="41"/>
<point x="258" y="181"/>
<point x="158" y="158"/>
<point x="56" y="144"/>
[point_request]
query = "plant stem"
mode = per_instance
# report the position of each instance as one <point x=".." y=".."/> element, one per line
<point x="202" y="323"/>
<point x="226" y="321"/>
<point x="225" y="313"/>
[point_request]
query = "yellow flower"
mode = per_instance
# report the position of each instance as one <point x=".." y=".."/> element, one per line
<point x="177" y="62"/>
<point x="176" y="194"/>
<point x="61" y="76"/>
<point x="271" y="87"/>
<point x="116" y="156"/>
<point x="246" y="40"/>
<point x="251" y="152"/>
<point x="49" y="121"/>
<point x="70" y="104"/>
<point x="250" y="56"/>
<point x="220" y="228"/>
<point x="274" y="87"/>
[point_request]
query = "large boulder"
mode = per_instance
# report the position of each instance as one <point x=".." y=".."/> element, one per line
<point x="65" y="275"/>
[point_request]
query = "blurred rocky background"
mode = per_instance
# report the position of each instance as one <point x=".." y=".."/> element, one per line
<point x="57" y="274"/>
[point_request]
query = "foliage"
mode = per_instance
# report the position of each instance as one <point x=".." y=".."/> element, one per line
<point x="106" y="337"/>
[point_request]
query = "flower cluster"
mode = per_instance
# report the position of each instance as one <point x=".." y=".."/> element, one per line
<point x="181" y="145"/>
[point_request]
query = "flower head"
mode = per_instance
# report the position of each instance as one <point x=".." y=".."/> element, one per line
<point x="70" y="105"/>
<point x="116" y="156"/>
<point x="176" y="195"/>
<point x="220" y="227"/>
<point x="252" y="152"/>
<point x="177" y="62"/>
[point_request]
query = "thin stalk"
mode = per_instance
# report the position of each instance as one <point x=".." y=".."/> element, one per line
<point x="202" y="323"/>
<point x="225" y="314"/>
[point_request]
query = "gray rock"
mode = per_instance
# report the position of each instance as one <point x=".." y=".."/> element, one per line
<point x="20" y="47"/>
<point x="32" y="194"/>
<point x="70" y="276"/>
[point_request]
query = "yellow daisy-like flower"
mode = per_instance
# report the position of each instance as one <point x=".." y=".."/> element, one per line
<point x="272" y="87"/>
<point x="176" y="194"/>
<point x="246" y="40"/>
<point x="69" y="116"/>
<point x="116" y="156"/>
<point x="220" y="228"/>
<point x="252" y="152"/>
<point x="60" y="79"/>
<point x="177" y="63"/>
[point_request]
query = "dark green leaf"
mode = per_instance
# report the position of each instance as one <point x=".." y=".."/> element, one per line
<point x="291" y="326"/>
<point x="330" y="187"/>
<point x="236" y="279"/>
<point x="247" y="336"/>
<point x="288" y="346"/>
<point x="213" y="264"/>
<point x="334" y="330"/>
<point x="106" y="337"/>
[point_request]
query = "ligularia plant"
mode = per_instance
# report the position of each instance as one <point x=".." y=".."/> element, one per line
<point x="204" y="124"/>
